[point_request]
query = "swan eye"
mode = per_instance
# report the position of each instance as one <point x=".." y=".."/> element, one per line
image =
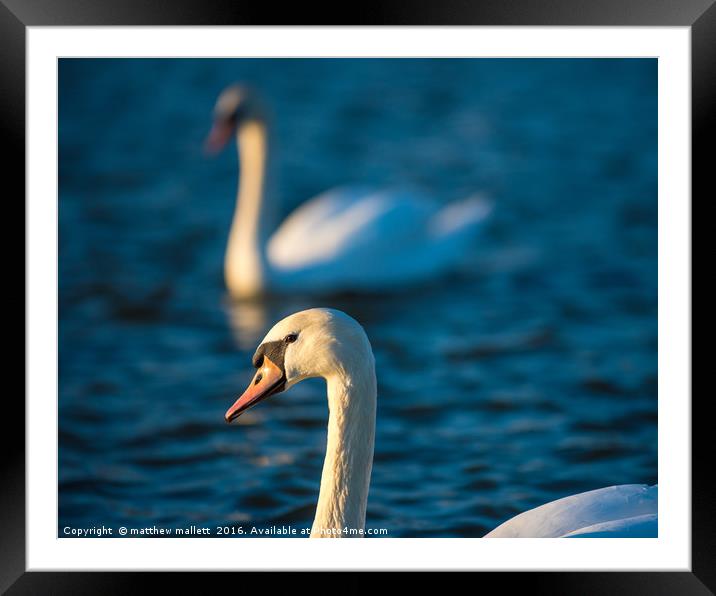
<point x="290" y="338"/>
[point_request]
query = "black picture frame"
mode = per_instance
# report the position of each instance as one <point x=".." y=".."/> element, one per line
<point x="17" y="15"/>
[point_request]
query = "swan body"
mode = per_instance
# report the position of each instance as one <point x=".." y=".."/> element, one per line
<point x="361" y="239"/>
<point x="329" y="344"/>
<point x="344" y="239"/>
<point x="628" y="510"/>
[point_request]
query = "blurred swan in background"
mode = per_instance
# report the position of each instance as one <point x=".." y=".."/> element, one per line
<point x="344" y="239"/>
<point x="328" y="343"/>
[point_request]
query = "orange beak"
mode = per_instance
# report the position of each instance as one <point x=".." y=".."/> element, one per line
<point x="218" y="137"/>
<point x="269" y="379"/>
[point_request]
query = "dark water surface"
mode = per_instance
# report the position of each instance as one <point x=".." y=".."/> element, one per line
<point x="531" y="376"/>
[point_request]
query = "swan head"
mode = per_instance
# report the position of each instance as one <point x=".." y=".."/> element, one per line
<point x="318" y="342"/>
<point x="235" y="106"/>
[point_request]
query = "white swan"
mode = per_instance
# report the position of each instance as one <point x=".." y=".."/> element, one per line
<point x="344" y="239"/>
<point x="625" y="511"/>
<point x="328" y="343"/>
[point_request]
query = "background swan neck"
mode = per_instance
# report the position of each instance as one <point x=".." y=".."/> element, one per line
<point x="245" y="263"/>
<point x="349" y="451"/>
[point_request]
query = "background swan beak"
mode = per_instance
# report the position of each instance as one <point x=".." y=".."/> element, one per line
<point x="269" y="379"/>
<point x="217" y="138"/>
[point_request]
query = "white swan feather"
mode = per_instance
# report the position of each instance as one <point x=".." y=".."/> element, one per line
<point x="629" y="509"/>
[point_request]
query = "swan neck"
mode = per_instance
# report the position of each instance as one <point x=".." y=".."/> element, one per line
<point x="245" y="264"/>
<point x="349" y="453"/>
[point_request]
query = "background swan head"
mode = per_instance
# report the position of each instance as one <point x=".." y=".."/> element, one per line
<point x="235" y="106"/>
<point x="318" y="342"/>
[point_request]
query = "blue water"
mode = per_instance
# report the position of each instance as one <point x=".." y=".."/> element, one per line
<point x="527" y="377"/>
